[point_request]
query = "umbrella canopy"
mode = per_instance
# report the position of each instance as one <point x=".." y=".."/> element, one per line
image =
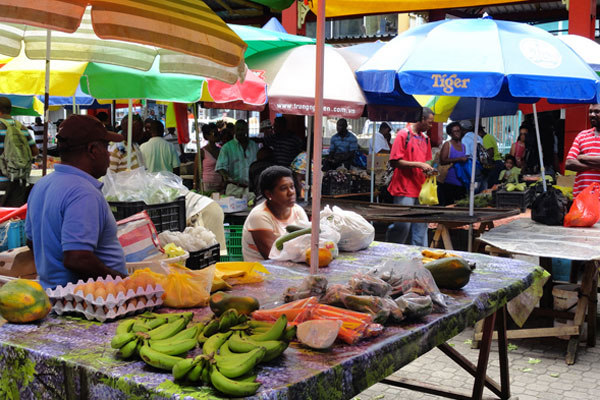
<point x="504" y="60"/>
<point x="457" y="108"/>
<point x="586" y="48"/>
<point x="25" y="105"/>
<point x="182" y="26"/>
<point x="291" y="78"/>
<point x="274" y="25"/>
<point x="250" y="95"/>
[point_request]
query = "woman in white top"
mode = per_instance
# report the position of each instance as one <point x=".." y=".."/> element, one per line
<point x="267" y="221"/>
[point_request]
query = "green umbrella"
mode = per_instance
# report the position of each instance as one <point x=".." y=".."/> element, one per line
<point x="260" y="40"/>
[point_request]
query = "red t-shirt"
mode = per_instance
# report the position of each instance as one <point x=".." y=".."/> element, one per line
<point x="407" y="182"/>
<point x="586" y="143"/>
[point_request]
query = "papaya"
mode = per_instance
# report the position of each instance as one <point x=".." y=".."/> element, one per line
<point x="23" y="300"/>
<point x="221" y="302"/>
<point x="325" y="257"/>
<point x="450" y="273"/>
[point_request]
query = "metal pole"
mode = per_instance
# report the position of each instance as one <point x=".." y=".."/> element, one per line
<point x="46" y="103"/>
<point x="539" y="145"/>
<point x="197" y="125"/>
<point x="373" y="160"/>
<point x="473" y="168"/>
<point x="317" y="145"/>
<point x="308" y="163"/>
<point x="129" y="133"/>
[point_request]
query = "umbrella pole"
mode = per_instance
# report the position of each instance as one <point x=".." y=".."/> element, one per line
<point x="113" y="112"/>
<point x="539" y="145"/>
<point x="129" y="132"/>
<point x="311" y="124"/>
<point x="46" y="103"/>
<point x="198" y="182"/>
<point x="473" y="169"/>
<point x="317" y="145"/>
<point x="373" y="160"/>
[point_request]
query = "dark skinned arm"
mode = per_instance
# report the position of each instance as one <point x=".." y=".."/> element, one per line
<point x="34" y="150"/>
<point x="577" y="166"/>
<point x="592" y="162"/>
<point x="264" y="240"/>
<point x="411" y="164"/>
<point x="85" y="264"/>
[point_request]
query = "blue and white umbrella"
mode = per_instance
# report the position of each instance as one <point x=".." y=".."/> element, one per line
<point x="480" y="58"/>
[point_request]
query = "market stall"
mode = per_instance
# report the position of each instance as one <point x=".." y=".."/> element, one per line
<point x="65" y="357"/>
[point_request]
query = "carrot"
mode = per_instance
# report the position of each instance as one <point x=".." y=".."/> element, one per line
<point x="343" y="311"/>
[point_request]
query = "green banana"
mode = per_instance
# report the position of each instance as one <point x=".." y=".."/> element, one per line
<point x="237" y="344"/>
<point x="182" y="368"/>
<point x="196" y="372"/>
<point x="205" y="373"/>
<point x="259" y="324"/>
<point x="233" y="366"/>
<point x="273" y="348"/>
<point x="167" y="330"/>
<point x="189" y="333"/>
<point x="242" y="318"/>
<point x="249" y="377"/>
<point x="211" y="328"/>
<point x="155" y="322"/>
<point x="173" y="347"/>
<point x="157" y="359"/>
<point x="228" y="319"/>
<point x="201" y="339"/>
<point x="289" y="334"/>
<point x="140" y="326"/>
<point x="274" y="333"/>
<point x="129" y="349"/>
<point x="231" y="387"/>
<point x="240" y="327"/>
<point x="215" y="342"/>
<point x="224" y="350"/>
<point x="124" y="326"/>
<point x="121" y="340"/>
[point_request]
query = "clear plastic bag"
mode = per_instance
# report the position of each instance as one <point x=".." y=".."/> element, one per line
<point x="415" y="306"/>
<point x="140" y="185"/>
<point x="312" y="285"/>
<point x="362" y="284"/>
<point x="356" y="233"/>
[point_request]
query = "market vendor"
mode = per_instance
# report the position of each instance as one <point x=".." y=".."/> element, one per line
<point x="69" y="226"/>
<point x="267" y="221"/>
<point x="342" y="147"/>
<point x="584" y="155"/>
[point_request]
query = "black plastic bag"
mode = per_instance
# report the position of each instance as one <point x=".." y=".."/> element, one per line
<point x="550" y="208"/>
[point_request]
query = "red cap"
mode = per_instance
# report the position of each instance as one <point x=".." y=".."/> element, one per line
<point x="78" y="130"/>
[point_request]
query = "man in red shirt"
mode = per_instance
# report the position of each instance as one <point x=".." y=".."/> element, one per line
<point x="584" y="155"/>
<point x="410" y="152"/>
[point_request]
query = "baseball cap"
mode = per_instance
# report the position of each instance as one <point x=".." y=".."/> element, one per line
<point x="82" y="129"/>
<point x="466" y="124"/>
<point x="266" y="124"/>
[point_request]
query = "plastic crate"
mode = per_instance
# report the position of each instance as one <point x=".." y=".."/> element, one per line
<point x="521" y="200"/>
<point x="332" y="187"/>
<point x="233" y="238"/>
<point x="165" y="216"/>
<point x="12" y="235"/>
<point x="204" y="258"/>
<point x="360" y="185"/>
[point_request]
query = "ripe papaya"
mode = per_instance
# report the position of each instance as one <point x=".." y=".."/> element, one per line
<point x="221" y="302"/>
<point x="450" y="273"/>
<point x="325" y="257"/>
<point x="23" y="300"/>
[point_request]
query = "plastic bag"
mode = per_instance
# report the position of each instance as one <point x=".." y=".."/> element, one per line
<point x="240" y="272"/>
<point x="406" y="276"/>
<point x="380" y="308"/>
<point x="138" y="237"/>
<point x="140" y="185"/>
<point x="415" y="306"/>
<point x="362" y="284"/>
<point x="185" y="288"/>
<point x="191" y="239"/>
<point x="312" y="285"/>
<point x="295" y="249"/>
<point x="550" y="208"/>
<point x="428" y="195"/>
<point x="356" y="233"/>
<point x="585" y="210"/>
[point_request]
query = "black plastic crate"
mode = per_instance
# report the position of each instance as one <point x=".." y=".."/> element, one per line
<point x="521" y="200"/>
<point x="360" y="185"/>
<point x="165" y="216"/>
<point x="332" y="186"/>
<point x="204" y="258"/>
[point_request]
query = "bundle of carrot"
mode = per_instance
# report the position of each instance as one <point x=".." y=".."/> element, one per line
<point x="355" y="325"/>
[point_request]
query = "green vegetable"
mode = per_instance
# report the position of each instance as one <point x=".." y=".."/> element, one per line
<point x="279" y="242"/>
<point x="293" y="228"/>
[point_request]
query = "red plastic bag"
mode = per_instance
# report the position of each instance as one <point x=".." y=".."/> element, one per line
<point x="585" y="210"/>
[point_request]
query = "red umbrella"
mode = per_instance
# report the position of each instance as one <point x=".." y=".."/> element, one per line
<point x="249" y="96"/>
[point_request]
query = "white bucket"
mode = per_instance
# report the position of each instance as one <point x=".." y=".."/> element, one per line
<point x="565" y="299"/>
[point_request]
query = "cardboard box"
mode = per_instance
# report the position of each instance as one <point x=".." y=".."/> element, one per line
<point x="18" y="263"/>
<point x="232" y="204"/>
<point x="566" y="181"/>
<point x="381" y="161"/>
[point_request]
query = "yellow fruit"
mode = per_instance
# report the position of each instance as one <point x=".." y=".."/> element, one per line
<point x="325" y="257"/>
<point x="23" y="300"/>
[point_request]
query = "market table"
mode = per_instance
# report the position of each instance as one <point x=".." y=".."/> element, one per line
<point x="69" y="358"/>
<point x="446" y="218"/>
<point x="527" y="237"/>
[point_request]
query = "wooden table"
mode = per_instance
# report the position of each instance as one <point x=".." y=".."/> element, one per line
<point x="446" y="217"/>
<point x="528" y="237"/>
<point x="62" y="358"/>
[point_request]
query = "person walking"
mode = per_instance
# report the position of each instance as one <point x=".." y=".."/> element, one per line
<point x="236" y="156"/>
<point x="584" y="155"/>
<point x="409" y="156"/>
<point x="159" y="155"/>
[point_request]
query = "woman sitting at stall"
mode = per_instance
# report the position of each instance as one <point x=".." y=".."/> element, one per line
<point x="453" y="152"/>
<point x="267" y="221"/>
<point x="517" y="150"/>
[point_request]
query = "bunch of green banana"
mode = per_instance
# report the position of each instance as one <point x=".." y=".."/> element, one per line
<point x="519" y="187"/>
<point x="229" y="320"/>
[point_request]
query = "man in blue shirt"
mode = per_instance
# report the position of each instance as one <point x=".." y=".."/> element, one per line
<point x="69" y="226"/>
<point x="343" y="145"/>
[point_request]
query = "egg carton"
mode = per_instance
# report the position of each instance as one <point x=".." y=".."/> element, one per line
<point x="104" y="313"/>
<point x="110" y="301"/>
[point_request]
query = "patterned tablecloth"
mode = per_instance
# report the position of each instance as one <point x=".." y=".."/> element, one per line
<point x="64" y="358"/>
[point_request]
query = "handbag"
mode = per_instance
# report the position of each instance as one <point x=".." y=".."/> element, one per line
<point x="443" y="171"/>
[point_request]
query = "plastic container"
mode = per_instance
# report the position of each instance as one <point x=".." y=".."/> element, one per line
<point x="12" y="235"/>
<point x="561" y="269"/>
<point x="165" y="216"/>
<point x="565" y="299"/>
<point x="332" y="187"/>
<point x="521" y="200"/>
<point x="233" y="239"/>
<point x="204" y="258"/>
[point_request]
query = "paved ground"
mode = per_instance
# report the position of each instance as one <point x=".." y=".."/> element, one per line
<point x="550" y="378"/>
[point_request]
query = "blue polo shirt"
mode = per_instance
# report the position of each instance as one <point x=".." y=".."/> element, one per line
<point x="67" y="211"/>
<point x="339" y="144"/>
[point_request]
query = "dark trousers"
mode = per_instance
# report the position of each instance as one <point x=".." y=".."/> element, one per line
<point x="16" y="193"/>
<point x="449" y="194"/>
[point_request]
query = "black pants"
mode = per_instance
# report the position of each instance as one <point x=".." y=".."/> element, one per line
<point x="448" y="193"/>
<point x="16" y="193"/>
